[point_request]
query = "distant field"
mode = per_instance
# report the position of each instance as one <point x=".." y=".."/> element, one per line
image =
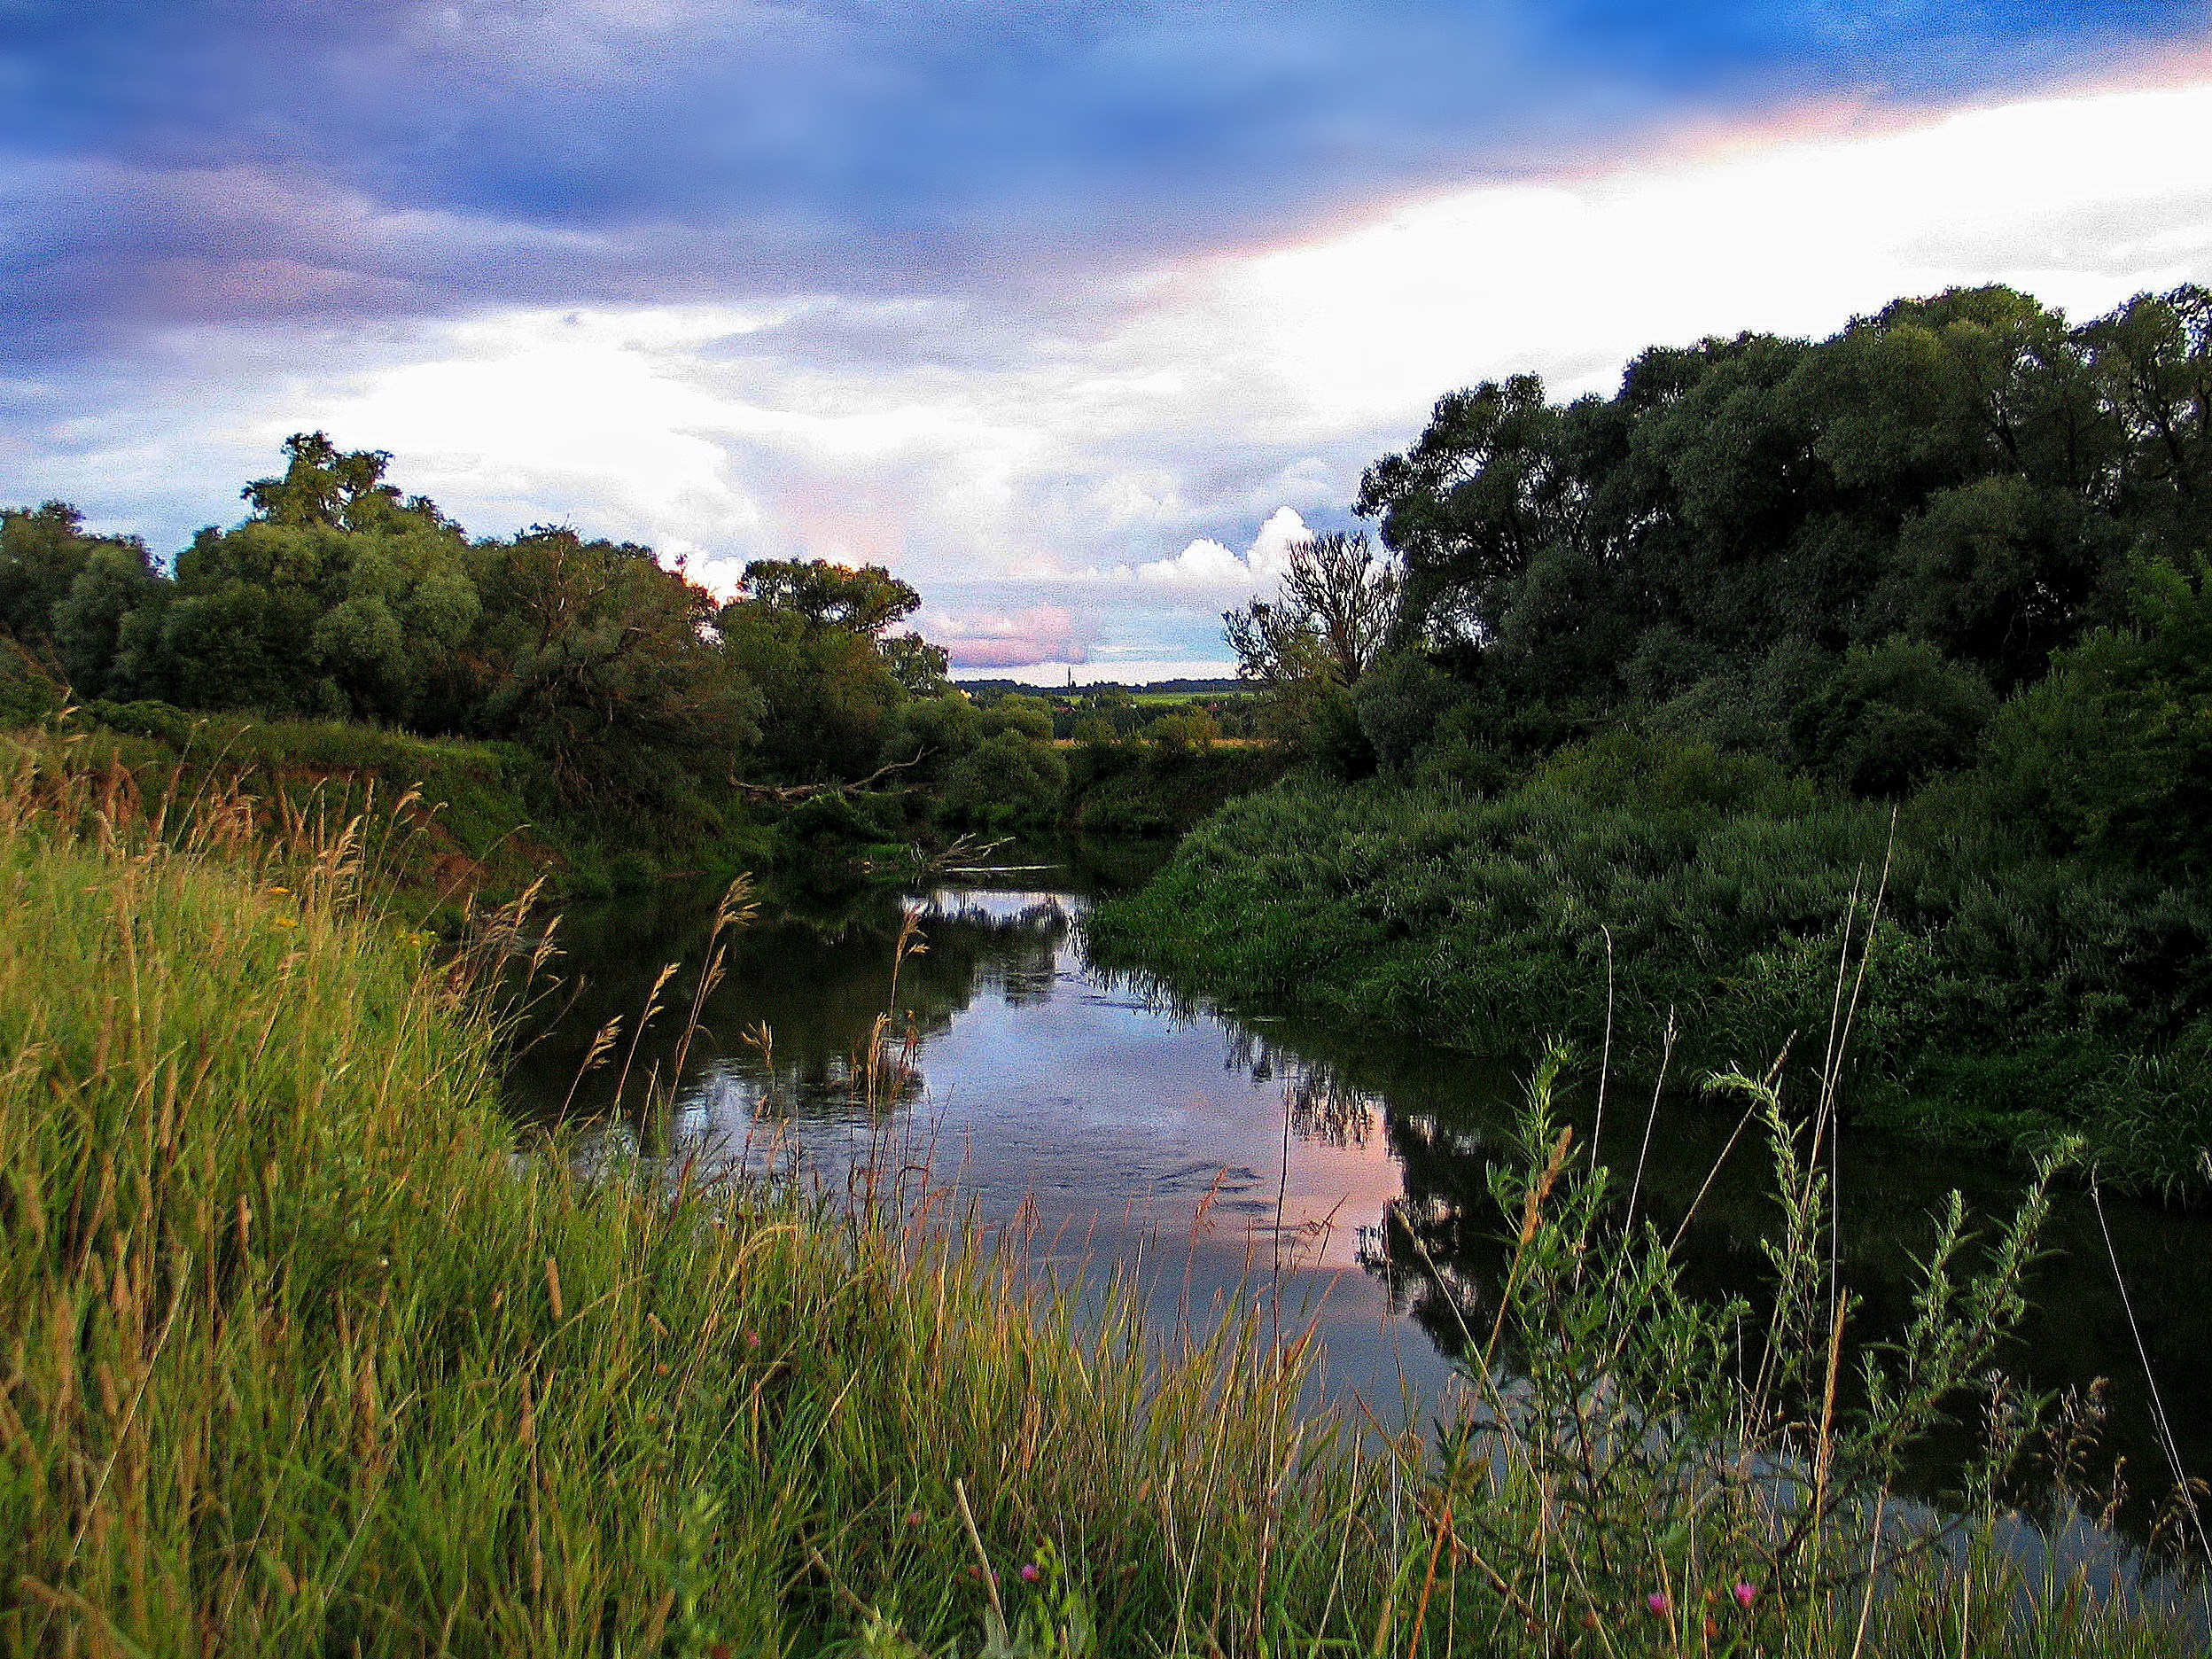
<point x="1158" y="691"/>
<point x="1218" y="743"/>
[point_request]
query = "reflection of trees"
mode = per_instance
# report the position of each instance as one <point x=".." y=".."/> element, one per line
<point x="1440" y="1252"/>
<point x="1325" y="1111"/>
<point x="1325" y="1106"/>
<point x="1437" y="1249"/>
<point x="817" y="983"/>
<point x="1023" y="962"/>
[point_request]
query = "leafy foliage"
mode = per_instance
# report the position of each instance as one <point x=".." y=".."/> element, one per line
<point x="1964" y="470"/>
<point x="340" y="598"/>
<point x="1679" y="678"/>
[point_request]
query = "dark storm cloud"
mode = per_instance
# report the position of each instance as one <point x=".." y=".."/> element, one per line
<point x="167" y="160"/>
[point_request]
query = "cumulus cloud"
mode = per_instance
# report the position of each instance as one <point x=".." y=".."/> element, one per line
<point x="1206" y="563"/>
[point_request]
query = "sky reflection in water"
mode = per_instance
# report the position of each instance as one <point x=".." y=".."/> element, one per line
<point x="1323" y="1173"/>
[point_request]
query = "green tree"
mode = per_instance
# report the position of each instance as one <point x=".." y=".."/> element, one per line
<point x="1892" y="715"/>
<point x="2152" y="361"/>
<point x="810" y="636"/>
<point x="44" y="556"/>
<point x="863" y="602"/>
<point x="336" y="489"/>
<point x="1182" y="731"/>
<point x="1006" y="781"/>
<point x="2112" y="754"/>
<point x="603" y="662"/>
<point x="1031" y="716"/>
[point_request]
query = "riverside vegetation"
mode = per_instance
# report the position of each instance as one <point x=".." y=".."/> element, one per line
<point x="567" y="707"/>
<point x="1649" y="703"/>
<point x="300" y="1357"/>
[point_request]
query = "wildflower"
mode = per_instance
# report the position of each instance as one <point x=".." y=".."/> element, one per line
<point x="286" y="922"/>
<point x="914" y="1517"/>
<point x="1658" y="1604"/>
<point x="1746" y="1594"/>
<point x="1030" y="1575"/>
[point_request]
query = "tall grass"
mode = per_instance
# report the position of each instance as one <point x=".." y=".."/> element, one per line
<point x="300" y="1359"/>
<point x="297" y="1356"/>
<point x="2014" y="999"/>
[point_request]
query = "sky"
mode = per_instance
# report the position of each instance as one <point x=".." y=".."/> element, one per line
<point x="1074" y="315"/>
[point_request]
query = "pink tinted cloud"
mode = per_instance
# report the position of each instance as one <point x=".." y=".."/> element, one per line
<point x="985" y="639"/>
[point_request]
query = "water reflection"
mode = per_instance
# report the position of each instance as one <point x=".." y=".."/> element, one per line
<point x="1342" y="1174"/>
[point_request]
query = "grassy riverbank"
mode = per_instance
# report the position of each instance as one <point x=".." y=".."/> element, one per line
<point x="481" y="820"/>
<point x="2011" y="997"/>
<point x="300" y="1359"/>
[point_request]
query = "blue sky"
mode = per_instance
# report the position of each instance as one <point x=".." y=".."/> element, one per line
<point x="1058" y="309"/>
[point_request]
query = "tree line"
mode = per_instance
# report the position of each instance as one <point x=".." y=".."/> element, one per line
<point x="1958" y="531"/>
<point x="339" y="597"/>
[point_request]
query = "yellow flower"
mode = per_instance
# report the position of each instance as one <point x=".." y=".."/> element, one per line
<point x="285" y="891"/>
<point x="287" y="922"/>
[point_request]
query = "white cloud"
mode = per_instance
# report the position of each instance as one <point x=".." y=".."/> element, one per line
<point x="1118" y="445"/>
<point x="2082" y="202"/>
<point x="1207" y="564"/>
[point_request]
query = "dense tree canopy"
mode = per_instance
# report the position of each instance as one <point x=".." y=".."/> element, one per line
<point x="339" y="597"/>
<point x="1842" y="555"/>
<point x="1964" y="470"/>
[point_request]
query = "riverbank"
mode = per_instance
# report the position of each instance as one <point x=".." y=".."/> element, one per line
<point x="446" y="822"/>
<point x="301" y="1360"/>
<point x="2009" y="1001"/>
<point x="449" y="821"/>
<point x="303" y="1363"/>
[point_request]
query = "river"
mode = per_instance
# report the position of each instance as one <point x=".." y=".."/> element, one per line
<point x="1209" y="1153"/>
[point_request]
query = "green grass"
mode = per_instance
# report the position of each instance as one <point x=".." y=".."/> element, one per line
<point x="297" y="1357"/>
<point x="2009" y="999"/>
<point x="482" y="820"/>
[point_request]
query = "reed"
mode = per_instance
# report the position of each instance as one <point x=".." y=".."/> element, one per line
<point x="301" y="1357"/>
<point x="297" y="1355"/>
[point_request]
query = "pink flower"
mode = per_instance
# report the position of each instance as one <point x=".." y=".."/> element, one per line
<point x="914" y="1517"/>
<point x="1030" y="1575"/>
<point x="1658" y="1604"/>
<point x="1746" y="1594"/>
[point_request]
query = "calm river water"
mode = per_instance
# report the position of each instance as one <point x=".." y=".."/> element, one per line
<point x="1201" y="1148"/>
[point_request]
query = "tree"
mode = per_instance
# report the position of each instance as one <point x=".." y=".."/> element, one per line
<point x="2113" y="752"/>
<point x="1004" y="781"/>
<point x="811" y="636"/>
<point x="342" y="490"/>
<point x="606" y="663"/>
<point x="1468" y="506"/>
<point x="44" y="552"/>
<point x="864" y="602"/>
<point x="2152" y="360"/>
<point x="1892" y="715"/>
<point x="1335" y="609"/>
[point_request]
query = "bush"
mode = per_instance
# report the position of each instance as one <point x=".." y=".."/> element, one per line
<point x="1006" y="780"/>
<point x="1183" y="731"/>
<point x="1892" y="715"/>
<point x="1646" y="880"/>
